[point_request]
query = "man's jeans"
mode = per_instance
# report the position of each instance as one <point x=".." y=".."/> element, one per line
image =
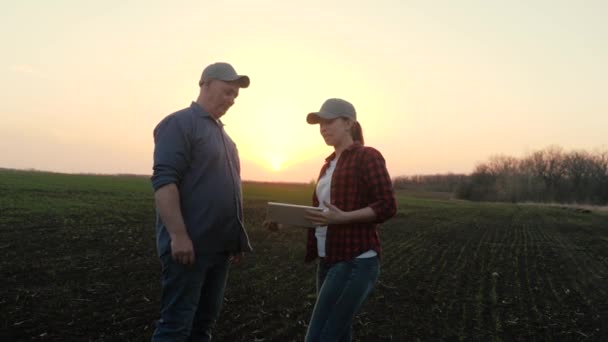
<point x="341" y="289"/>
<point x="191" y="299"/>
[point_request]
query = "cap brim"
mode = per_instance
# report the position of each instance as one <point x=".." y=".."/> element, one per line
<point x="242" y="81"/>
<point x="315" y="117"/>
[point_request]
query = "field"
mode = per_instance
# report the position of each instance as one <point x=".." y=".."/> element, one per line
<point x="79" y="264"/>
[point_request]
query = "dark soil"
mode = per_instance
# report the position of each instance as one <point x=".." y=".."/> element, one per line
<point x="469" y="273"/>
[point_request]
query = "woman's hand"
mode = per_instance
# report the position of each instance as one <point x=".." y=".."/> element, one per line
<point x="333" y="215"/>
<point x="272" y="226"/>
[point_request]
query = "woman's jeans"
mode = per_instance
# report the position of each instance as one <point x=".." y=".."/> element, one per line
<point x="192" y="297"/>
<point x="341" y="289"/>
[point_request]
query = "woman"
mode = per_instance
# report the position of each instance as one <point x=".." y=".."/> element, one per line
<point x="356" y="192"/>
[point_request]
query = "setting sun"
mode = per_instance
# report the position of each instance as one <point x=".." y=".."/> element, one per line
<point x="437" y="89"/>
<point x="276" y="163"/>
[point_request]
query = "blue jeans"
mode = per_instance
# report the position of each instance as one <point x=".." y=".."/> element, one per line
<point x="341" y="290"/>
<point x="192" y="296"/>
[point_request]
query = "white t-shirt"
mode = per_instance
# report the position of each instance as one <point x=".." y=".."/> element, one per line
<point x="323" y="192"/>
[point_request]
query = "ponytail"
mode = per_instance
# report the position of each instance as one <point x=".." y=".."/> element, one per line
<point x="357" y="132"/>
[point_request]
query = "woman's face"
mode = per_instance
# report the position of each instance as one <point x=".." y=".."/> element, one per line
<point x="335" y="131"/>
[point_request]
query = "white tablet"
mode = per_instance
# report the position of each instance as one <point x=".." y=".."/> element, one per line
<point x="290" y="214"/>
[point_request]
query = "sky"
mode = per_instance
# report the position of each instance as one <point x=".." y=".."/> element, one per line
<point x="439" y="86"/>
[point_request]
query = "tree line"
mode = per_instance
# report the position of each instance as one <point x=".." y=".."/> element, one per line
<point x="549" y="175"/>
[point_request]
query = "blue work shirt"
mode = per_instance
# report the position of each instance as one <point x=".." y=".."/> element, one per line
<point x="192" y="150"/>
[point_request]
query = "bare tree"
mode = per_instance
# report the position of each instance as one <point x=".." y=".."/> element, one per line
<point x="546" y="175"/>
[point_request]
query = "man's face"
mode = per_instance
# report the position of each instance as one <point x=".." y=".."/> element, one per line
<point x="219" y="96"/>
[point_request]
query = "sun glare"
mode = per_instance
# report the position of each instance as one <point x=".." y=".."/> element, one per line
<point x="276" y="163"/>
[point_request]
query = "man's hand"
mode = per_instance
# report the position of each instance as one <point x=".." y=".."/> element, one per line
<point x="182" y="250"/>
<point x="167" y="203"/>
<point x="236" y="258"/>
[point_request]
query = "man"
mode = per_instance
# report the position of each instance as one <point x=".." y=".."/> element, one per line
<point x="199" y="209"/>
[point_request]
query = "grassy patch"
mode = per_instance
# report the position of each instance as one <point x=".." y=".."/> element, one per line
<point x="79" y="263"/>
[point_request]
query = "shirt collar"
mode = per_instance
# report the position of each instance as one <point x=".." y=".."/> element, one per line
<point x="197" y="109"/>
<point x="352" y="146"/>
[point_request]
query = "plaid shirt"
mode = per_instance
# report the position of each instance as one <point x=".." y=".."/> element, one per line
<point x="360" y="180"/>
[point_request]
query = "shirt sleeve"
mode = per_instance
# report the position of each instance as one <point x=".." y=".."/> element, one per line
<point x="172" y="149"/>
<point x="380" y="187"/>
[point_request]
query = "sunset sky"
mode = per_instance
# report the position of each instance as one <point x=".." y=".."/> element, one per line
<point x="439" y="86"/>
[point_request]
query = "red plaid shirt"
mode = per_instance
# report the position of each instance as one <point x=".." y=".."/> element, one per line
<point x="360" y="180"/>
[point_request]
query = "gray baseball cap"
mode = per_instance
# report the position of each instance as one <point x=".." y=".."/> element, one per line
<point x="331" y="109"/>
<point x="223" y="72"/>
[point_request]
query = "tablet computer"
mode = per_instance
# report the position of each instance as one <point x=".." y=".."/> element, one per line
<point x="290" y="214"/>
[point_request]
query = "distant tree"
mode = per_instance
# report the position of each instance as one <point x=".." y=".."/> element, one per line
<point x="599" y="177"/>
<point x="549" y="175"/>
<point x="437" y="183"/>
<point x="546" y="176"/>
<point x="578" y="168"/>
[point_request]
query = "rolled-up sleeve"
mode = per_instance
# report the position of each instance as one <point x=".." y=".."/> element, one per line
<point x="380" y="186"/>
<point x="172" y="149"/>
